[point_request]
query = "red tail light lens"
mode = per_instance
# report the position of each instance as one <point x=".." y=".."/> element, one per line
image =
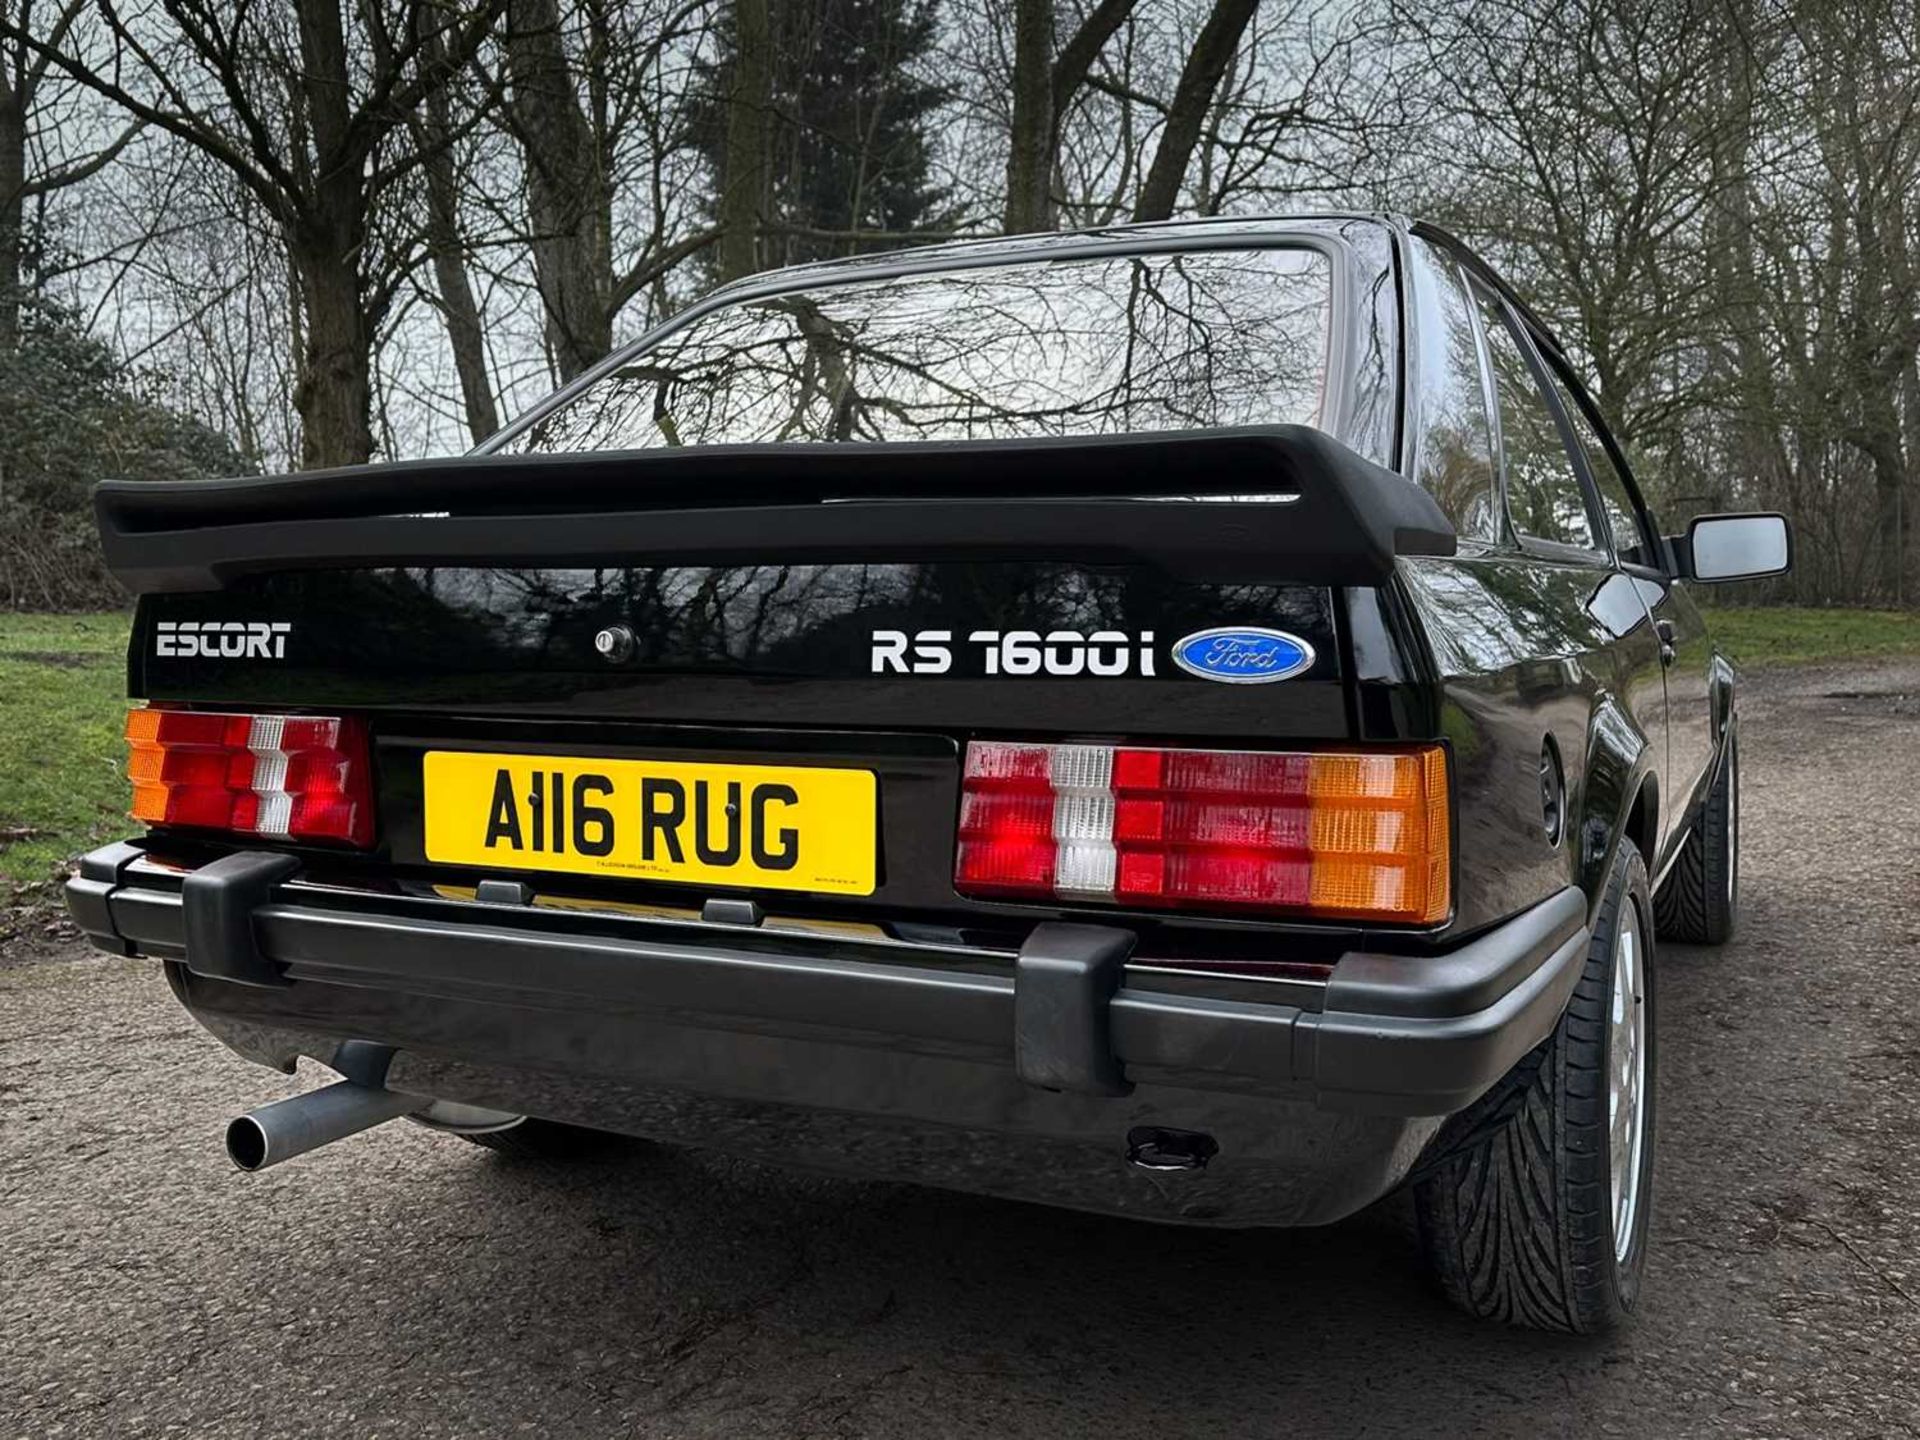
<point x="1362" y="835"/>
<point x="289" y="777"/>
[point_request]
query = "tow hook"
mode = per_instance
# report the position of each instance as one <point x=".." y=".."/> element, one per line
<point x="1149" y="1147"/>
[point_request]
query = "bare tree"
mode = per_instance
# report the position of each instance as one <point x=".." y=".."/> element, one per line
<point x="749" y="130"/>
<point x="595" y="112"/>
<point x="309" y="110"/>
<point x="1208" y="105"/>
<point x="1206" y="63"/>
<point x="1587" y="169"/>
<point x="1713" y="201"/>
<point x="1045" y="85"/>
<point x="434" y="137"/>
<point x="569" y="192"/>
<point x="34" y="102"/>
<point x="1871" y="159"/>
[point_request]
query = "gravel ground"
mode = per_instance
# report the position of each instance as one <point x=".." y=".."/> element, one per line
<point x="410" y="1285"/>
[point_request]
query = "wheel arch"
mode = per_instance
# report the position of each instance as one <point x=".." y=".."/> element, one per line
<point x="1619" y="798"/>
<point x="1723" y="679"/>
<point x="1643" y="816"/>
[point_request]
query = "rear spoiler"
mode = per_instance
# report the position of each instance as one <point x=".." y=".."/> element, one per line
<point x="1281" y="503"/>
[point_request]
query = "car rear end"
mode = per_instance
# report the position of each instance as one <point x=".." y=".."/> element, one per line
<point x="1047" y="802"/>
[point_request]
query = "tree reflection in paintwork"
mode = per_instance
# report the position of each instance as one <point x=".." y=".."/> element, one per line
<point x="1496" y="613"/>
<point x="1543" y="492"/>
<point x="1457" y="447"/>
<point x="768" y="621"/>
<point x="1094" y="346"/>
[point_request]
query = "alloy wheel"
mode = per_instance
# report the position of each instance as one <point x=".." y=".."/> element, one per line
<point x="1627" y="1076"/>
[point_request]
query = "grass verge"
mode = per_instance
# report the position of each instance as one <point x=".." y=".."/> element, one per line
<point x="62" y="703"/>
<point x="1799" y="634"/>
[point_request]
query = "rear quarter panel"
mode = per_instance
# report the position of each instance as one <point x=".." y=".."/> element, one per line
<point x="1523" y="649"/>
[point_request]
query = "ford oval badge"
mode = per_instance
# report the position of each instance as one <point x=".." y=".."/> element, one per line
<point x="1243" y="655"/>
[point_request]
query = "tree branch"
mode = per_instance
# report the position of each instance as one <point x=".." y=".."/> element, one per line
<point x="82" y="169"/>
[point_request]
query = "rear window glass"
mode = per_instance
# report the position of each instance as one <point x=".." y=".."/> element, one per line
<point x="1180" y="341"/>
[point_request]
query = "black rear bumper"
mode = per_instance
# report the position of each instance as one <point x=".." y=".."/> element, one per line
<point x="1019" y="1073"/>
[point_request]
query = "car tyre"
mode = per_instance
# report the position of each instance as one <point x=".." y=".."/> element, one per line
<point x="1541" y="1219"/>
<point x="1700" y="900"/>
<point x="549" y="1140"/>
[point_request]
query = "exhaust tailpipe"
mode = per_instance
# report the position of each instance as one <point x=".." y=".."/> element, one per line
<point x="287" y="1128"/>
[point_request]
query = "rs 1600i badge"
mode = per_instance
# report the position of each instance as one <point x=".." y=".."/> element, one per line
<point x="1012" y="652"/>
<point x="1243" y="655"/>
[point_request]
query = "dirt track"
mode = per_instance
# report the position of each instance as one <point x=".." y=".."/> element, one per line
<point x="406" y="1284"/>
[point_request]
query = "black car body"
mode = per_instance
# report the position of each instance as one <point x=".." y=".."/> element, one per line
<point x="694" y="570"/>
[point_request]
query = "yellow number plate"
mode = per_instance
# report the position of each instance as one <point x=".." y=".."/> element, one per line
<point x="771" y="826"/>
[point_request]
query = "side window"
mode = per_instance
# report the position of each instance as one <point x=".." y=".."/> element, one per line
<point x="1544" y="494"/>
<point x="1616" y="500"/>
<point x="1456" y="463"/>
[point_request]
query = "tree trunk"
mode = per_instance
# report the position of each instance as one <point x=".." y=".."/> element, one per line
<point x="1758" y="457"/>
<point x="327" y="245"/>
<point x="1030" y="156"/>
<point x="747" y="138"/>
<point x="13" y="185"/>
<point x="1910" y="411"/>
<point x="465" y="334"/>
<point x="335" y="391"/>
<point x="1076" y="58"/>
<point x="1208" y="60"/>
<point x="1044" y="87"/>
<point x="1891" y="520"/>
<point x="13" y="179"/>
<point x="569" y="195"/>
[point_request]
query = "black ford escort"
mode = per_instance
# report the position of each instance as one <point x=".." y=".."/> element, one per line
<point x="1194" y="722"/>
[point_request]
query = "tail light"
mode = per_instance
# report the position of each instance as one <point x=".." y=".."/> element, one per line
<point x="289" y="777"/>
<point x="1360" y="835"/>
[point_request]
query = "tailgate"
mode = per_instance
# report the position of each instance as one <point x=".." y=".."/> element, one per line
<point x="535" y="625"/>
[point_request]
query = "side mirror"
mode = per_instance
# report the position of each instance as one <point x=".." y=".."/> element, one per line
<point x="1719" y="548"/>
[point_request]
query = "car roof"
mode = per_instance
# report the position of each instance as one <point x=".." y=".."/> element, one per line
<point x="987" y="251"/>
<point x="1205" y="230"/>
